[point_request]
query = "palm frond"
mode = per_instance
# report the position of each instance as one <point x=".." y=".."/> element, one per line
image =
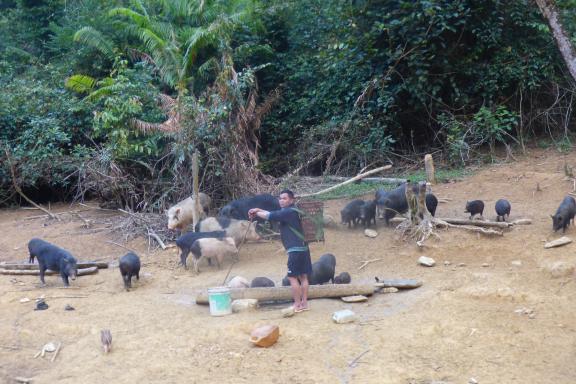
<point x="209" y="66"/>
<point x="94" y="38"/>
<point x="137" y="18"/>
<point x="80" y="83"/>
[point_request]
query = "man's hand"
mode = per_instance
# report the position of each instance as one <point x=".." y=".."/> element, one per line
<point x="252" y="213"/>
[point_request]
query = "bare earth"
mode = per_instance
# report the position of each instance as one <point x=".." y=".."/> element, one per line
<point x="461" y="324"/>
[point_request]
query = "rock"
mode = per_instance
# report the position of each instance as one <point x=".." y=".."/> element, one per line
<point x="462" y="264"/>
<point x="50" y="347"/>
<point x="472" y="381"/>
<point x="354" y="299"/>
<point x="265" y="335"/>
<point x="238" y="282"/>
<point x="244" y="305"/>
<point x="399" y="283"/>
<point x="68" y="307"/>
<point x="560" y="269"/>
<point x="558" y="242"/>
<point x="447" y="263"/>
<point x="24" y="300"/>
<point x="344" y="316"/>
<point x="287" y="312"/>
<point x="522" y="222"/>
<point x="370" y="233"/>
<point x="329" y="221"/>
<point x="426" y="261"/>
<point x="516" y="263"/>
<point x="531" y="316"/>
<point x="389" y="290"/>
<point x="485" y="265"/>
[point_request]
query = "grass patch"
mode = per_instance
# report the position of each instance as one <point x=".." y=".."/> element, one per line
<point x="354" y="190"/>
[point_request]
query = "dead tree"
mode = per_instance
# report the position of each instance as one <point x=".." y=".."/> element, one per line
<point x="420" y="224"/>
<point x="550" y="13"/>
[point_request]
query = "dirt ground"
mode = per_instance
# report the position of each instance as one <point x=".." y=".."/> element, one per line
<point x="502" y="311"/>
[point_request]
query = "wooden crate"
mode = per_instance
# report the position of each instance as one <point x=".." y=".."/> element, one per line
<point x="312" y="219"/>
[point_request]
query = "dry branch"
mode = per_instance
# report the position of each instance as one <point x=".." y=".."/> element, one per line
<point x="357" y="177"/>
<point x="365" y="263"/>
<point x="383" y="180"/>
<point x="153" y="234"/>
<point x="285" y="293"/>
<point x="476" y="223"/>
<point x="19" y="190"/>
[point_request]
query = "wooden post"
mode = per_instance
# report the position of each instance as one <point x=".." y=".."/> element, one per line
<point x="196" y="210"/>
<point x="429" y="166"/>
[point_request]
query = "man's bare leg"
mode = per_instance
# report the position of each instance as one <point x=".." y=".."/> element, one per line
<point x="304" y="290"/>
<point x="296" y="292"/>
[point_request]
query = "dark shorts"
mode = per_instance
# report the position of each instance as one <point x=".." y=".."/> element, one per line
<point x="299" y="263"/>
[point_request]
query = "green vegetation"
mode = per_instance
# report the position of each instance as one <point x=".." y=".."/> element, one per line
<point x="112" y="97"/>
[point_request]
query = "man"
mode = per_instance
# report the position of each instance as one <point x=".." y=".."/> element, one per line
<point x="299" y="263"/>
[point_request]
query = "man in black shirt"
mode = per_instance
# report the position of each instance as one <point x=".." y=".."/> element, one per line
<point x="299" y="263"/>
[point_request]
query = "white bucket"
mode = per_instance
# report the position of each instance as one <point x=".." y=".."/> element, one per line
<point x="219" y="300"/>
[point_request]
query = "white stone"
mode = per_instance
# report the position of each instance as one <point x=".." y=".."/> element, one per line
<point x="344" y="316"/>
<point x="244" y="305"/>
<point x="287" y="312"/>
<point x="238" y="282"/>
<point x="370" y="233"/>
<point x="24" y="300"/>
<point x="560" y="269"/>
<point x="447" y="263"/>
<point x="426" y="261"/>
<point x="516" y="263"/>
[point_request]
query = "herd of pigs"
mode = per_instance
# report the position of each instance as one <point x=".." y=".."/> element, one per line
<point x="216" y="238"/>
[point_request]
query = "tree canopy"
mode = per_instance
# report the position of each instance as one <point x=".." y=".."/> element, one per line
<point x="112" y="97"/>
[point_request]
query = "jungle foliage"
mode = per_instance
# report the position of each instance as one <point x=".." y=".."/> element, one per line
<point x="112" y="97"/>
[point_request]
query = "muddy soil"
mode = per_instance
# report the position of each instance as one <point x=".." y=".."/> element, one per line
<point x="499" y="310"/>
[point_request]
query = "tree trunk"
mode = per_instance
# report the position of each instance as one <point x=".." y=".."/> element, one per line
<point x="416" y="202"/>
<point x="80" y="265"/>
<point x="81" y="272"/>
<point x="285" y="293"/>
<point x="550" y="13"/>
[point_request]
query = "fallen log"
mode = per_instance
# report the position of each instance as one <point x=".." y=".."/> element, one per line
<point x="477" y="223"/>
<point x="82" y="265"/>
<point x="285" y="293"/>
<point x="471" y="228"/>
<point x="20" y="272"/>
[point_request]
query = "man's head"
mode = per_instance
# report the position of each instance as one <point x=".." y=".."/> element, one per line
<point x="286" y="198"/>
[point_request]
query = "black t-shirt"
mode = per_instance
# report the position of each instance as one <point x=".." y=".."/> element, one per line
<point x="290" y="228"/>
